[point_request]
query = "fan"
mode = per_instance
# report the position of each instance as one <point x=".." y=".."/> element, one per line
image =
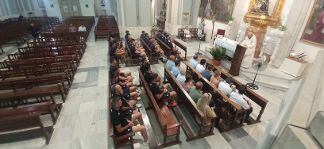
<point x="258" y="65"/>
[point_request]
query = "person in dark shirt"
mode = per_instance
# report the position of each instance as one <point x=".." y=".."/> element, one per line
<point x="142" y="35"/>
<point x="124" y="94"/>
<point x="162" y="91"/>
<point x="21" y="17"/>
<point x="123" y="125"/>
<point x="117" y="76"/>
<point x="34" y="30"/>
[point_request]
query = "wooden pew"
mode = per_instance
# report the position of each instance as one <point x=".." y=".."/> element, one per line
<point x="21" y="82"/>
<point x="193" y="32"/>
<point x="37" y="71"/>
<point x="182" y="45"/>
<point x="229" y="110"/>
<point x="14" y="124"/>
<point x="42" y="109"/>
<point x="169" y="126"/>
<point x="258" y="99"/>
<point x="23" y="97"/>
<point x="186" y="100"/>
<point x="153" y="56"/>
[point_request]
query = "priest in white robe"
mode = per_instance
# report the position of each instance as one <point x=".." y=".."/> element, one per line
<point x="249" y="42"/>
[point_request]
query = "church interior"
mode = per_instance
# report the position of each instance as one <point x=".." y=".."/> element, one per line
<point x="189" y="74"/>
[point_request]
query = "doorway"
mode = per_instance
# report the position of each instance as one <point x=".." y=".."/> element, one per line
<point x="70" y="8"/>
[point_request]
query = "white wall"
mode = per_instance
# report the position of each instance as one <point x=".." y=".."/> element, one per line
<point x="12" y="8"/>
<point x="87" y="11"/>
<point x="53" y="11"/>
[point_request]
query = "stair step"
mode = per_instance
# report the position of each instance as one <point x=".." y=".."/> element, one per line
<point x="295" y="138"/>
<point x="317" y="127"/>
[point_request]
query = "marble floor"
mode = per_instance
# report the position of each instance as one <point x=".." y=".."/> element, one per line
<point x="82" y="123"/>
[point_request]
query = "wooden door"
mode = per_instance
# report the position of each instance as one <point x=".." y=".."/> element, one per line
<point x="70" y="8"/>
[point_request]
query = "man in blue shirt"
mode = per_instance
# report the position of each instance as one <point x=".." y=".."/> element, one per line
<point x="170" y="63"/>
<point x="175" y="70"/>
<point x="207" y="73"/>
<point x="194" y="61"/>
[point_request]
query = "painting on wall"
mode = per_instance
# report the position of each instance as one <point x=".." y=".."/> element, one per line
<point x="221" y="9"/>
<point x="314" y="30"/>
<point x="260" y="7"/>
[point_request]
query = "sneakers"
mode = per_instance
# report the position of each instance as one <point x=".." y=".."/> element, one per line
<point x="138" y="98"/>
<point x="139" y="91"/>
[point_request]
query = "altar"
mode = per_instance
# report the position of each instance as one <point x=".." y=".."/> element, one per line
<point x="234" y="53"/>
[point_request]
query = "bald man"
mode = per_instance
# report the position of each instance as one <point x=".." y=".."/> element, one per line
<point x="196" y="92"/>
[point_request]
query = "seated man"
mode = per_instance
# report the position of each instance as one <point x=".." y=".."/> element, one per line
<point x="82" y="28"/>
<point x="117" y="76"/>
<point x="194" y="61"/>
<point x="171" y="62"/>
<point x="226" y="86"/>
<point x="215" y="79"/>
<point x="121" y="53"/>
<point x="161" y="91"/>
<point x="187" y="85"/>
<point x="142" y="34"/>
<point x="181" y="76"/>
<point x="238" y="97"/>
<point x="129" y="99"/>
<point x="123" y="124"/>
<point x="201" y="66"/>
<point x="196" y="92"/>
<point x="186" y="32"/>
<point x="208" y="72"/>
<point x="175" y="70"/>
<point x="72" y="28"/>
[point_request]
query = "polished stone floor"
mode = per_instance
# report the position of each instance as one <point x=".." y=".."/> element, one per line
<point x="82" y="123"/>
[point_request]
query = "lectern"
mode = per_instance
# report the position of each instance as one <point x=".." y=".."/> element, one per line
<point x="234" y="53"/>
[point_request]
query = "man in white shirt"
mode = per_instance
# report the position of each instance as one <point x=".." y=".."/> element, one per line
<point x="249" y="42"/>
<point x="170" y="63"/>
<point x="82" y="28"/>
<point x="238" y="98"/>
<point x="194" y="61"/>
<point x="181" y="78"/>
<point x="201" y="66"/>
<point x="225" y="86"/>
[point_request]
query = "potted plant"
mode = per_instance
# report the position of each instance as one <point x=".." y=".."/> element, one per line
<point x="218" y="54"/>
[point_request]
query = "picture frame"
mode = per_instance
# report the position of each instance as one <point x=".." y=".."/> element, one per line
<point x="220" y="10"/>
<point x="314" y="29"/>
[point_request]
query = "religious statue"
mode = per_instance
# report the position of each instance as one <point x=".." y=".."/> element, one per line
<point x="261" y="7"/>
<point x="201" y="28"/>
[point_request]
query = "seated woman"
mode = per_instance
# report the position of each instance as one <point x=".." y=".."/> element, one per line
<point x="124" y="124"/>
<point x="161" y="91"/>
<point x="120" y="52"/>
<point x="203" y="107"/>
